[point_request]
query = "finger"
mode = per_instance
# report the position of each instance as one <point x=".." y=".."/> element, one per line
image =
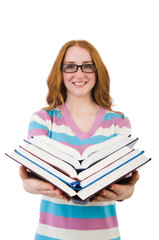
<point x="64" y="197"/>
<point x="108" y="194"/>
<point x="135" y="177"/>
<point x="50" y="193"/>
<point x="40" y="185"/>
<point x="122" y="191"/>
<point x="61" y="194"/>
<point x="100" y="199"/>
<point x="23" y="173"/>
<point x="117" y="188"/>
<point x="56" y="193"/>
<point x="105" y="195"/>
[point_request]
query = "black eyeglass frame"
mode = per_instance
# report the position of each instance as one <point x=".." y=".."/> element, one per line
<point x="77" y="66"/>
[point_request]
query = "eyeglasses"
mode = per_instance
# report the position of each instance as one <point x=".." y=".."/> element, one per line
<point x="72" y="68"/>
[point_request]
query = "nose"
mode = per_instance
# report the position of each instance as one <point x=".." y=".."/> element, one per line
<point x="79" y="71"/>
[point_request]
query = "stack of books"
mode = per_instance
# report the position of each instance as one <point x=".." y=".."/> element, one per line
<point x="80" y="176"/>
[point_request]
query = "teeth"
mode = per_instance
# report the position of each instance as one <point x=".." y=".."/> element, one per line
<point x="79" y="84"/>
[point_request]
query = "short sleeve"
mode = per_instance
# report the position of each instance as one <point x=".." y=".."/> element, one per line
<point x="123" y="126"/>
<point x="40" y="124"/>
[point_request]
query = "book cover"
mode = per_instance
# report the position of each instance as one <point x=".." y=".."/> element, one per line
<point x="111" y="162"/>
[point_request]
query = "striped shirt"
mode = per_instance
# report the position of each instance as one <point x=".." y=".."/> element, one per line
<point x="62" y="220"/>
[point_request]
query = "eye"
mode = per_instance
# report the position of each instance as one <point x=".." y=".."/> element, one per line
<point x="69" y="66"/>
<point x="88" y="66"/>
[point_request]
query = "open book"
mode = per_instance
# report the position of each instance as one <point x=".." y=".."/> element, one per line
<point x="85" y="190"/>
<point x="102" y="165"/>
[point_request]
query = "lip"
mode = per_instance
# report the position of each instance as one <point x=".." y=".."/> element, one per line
<point x="79" y="84"/>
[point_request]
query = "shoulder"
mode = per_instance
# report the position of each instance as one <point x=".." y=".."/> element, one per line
<point x="109" y="115"/>
<point x="120" y="124"/>
<point x="46" y="114"/>
<point x="41" y="122"/>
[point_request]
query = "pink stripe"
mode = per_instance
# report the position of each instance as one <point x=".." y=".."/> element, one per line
<point x="108" y="123"/>
<point x="116" y="121"/>
<point x="43" y="115"/>
<point x="98" y="120"/>
<point x="37" y="132"/>
<point x="60" y="121"/>
<point x="123" y="123"/>
<point x="78" y="223"/>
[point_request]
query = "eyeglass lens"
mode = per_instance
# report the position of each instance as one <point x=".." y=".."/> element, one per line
<point x="70" y="68"/>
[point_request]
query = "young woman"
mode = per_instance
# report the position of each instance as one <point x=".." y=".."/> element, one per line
<point x="79" y="114"/>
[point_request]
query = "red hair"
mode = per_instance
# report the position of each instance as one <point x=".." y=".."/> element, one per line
<point x="56" y="89"/>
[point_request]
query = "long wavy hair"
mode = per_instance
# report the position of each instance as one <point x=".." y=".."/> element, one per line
<point x="56" y="89"/>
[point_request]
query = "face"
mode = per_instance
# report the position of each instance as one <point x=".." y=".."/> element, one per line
<point x="78" y="83"/>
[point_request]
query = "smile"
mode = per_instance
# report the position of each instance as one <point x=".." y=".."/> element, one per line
<point x="79" y="83"/>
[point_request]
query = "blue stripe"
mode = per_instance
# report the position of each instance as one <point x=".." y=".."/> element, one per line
<point x="35" y="125"/>
<point x="74" y="140"/>
<point x="110" y="116"/>
<point x="55" y="113"/>
<point x="74" y="211"/>
<point x="41" y="237"/>
<point x="116" y="238"/>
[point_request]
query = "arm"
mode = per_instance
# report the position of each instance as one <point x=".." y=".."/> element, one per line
<point x="32" y="184"/>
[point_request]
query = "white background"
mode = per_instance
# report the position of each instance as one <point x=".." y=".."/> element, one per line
<point x="126" y="34"/>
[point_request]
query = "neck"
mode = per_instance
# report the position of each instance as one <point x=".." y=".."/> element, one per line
<point x="81" y="105"/>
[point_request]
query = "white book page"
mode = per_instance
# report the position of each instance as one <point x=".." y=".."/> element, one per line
<point x="105" y="152"/>
<point x="55" y="152"/>
<point x="59" y="146"/>
<point x="64" y="166"/>
<point x="44" y="165"/>
<point x="110" y="168"/>
<point x="75" y="153"/>
<point x="105" y="162"/>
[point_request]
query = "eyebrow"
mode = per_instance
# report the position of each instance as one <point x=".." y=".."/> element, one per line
<point x="68" y="62"/>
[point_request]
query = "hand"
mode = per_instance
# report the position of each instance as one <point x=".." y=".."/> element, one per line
<point x="118" y="191"/>
<point x="36" y="186"/>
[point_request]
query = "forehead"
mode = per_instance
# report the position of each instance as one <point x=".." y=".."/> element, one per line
<point x="77" y="54"/>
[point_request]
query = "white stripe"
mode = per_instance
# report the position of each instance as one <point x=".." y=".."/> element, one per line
<point x="62" y="129"/>
<point x="52" y="126"/>
<point x="111" y="130"/>
<point x="39" y="120"/>
<point x="59" y="201"/>
<point x="105" y="131"/>
<point x="122" y="130"/>
<point x="67" y="234"/>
